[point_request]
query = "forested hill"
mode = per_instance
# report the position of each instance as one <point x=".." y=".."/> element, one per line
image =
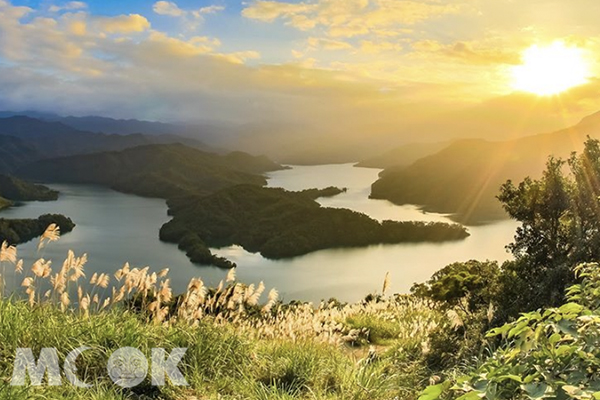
<point x="15" y="189"/>
<point x="403" y="156"/>
<point x="163" y="171"/>
<point x="281" y="224"/>
<point x="24" y="139"/>
<point x="464" y="178"/>
<point x="16" y="231"/>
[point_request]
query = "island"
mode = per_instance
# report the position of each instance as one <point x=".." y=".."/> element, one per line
<point x="17" y="231"/>
<point x="282" y="224"/>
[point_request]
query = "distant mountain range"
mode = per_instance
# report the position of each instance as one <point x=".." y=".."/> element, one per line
<point x="403" y="155"/>
<point x="464" y="178"/>
<point x="164" y="171"/>
<point x="25" y="139"/>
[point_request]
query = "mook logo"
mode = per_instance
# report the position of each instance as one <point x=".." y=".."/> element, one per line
<point x="127" y="367"/>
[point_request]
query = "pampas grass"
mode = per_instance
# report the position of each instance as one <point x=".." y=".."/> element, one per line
<point x="290" y="351"/>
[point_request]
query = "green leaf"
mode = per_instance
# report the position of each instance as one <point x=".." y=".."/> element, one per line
<point x="571" y="308"/>
<point x="433" y="392"/>
<point x="535" y="390"/>
<point x="471" y="396"/>
<point x="512" y="377"/>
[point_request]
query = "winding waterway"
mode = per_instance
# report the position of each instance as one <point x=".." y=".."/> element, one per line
<point x="113" y="228"/>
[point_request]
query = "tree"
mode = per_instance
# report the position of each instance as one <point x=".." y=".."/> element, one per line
<point x="560" y="216"/>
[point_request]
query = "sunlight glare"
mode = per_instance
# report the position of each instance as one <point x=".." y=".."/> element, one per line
<point x="550" y="70"/>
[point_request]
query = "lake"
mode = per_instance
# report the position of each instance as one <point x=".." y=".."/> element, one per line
<point x="113" y="228"/>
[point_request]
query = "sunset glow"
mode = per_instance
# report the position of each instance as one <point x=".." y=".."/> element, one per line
<point x="551" y="69"/>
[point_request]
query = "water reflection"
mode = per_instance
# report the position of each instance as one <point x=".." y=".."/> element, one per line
<point x="114" y="227"/>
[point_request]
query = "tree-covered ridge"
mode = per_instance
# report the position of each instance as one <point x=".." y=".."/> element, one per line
<point x="163" y="171"/>
<point x="463" y="178"/>
<point x="16" y="231"/>
<point x="15" y="189"/>
<point x="30" y="139"/>
<point x="281" y="224"/>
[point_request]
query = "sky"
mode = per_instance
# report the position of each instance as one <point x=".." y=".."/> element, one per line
<point x="421" y="70"/>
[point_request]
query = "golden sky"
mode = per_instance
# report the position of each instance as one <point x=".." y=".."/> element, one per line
<point x="422" y="69"/>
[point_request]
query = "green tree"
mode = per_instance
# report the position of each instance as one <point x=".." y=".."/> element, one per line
<point x="560" y="217"/>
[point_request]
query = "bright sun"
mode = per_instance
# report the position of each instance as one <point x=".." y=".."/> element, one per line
<point x="550" y="70"/>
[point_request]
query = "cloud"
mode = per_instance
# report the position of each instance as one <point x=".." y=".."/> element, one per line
<point x="349" y="18"/>
<point x="167" y="8"/>
<point x="123" y="23"/>
<point x="375" y="47"/>
<point x="328" y="44"/>
<point x="171" y="9"/>
<point x="70" y="6"/>
<point x="209" y="10"/>
<point x="410" y="73"/>
<point x="480" y="52"/>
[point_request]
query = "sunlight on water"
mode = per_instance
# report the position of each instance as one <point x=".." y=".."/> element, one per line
<point x="114" y="227"/>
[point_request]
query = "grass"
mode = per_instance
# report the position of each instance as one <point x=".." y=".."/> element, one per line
<point x="238" y="347"/>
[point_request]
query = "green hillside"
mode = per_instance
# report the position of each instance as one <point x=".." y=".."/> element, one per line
<point x="15" y="189"/>
<point x="464" y="178"/>
<point x="155" y="171"/>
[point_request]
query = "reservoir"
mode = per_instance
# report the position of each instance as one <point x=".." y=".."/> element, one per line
<point x="114" y="228"/>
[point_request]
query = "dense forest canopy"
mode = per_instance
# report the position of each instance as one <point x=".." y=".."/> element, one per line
<point x="163" y="171"/>
<point x="16" y="231"/>
<point x="280" y="224"/>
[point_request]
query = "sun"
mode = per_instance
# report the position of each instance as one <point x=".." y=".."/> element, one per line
<point x="550" y="70"/>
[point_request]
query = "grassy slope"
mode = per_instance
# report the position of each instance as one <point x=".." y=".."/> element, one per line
<point x="219" y="363"/>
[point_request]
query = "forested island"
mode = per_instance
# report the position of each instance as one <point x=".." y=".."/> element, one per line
<point x="282" y="224"/>
<point x="218" y="200"/>
<point x="16" y="231"/>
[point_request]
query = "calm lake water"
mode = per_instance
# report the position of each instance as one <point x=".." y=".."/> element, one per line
<point x="113" y="228"/>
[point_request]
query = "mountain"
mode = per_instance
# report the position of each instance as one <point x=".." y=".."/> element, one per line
<point x="464" y="178"/>
<point x="403" y="155"/>
<point x="213" y="133"/>
<point x="15" y="189"/>
<point x="14" y="153"/>
<point x="55" y="139"/>
<point x="163" y="171"/>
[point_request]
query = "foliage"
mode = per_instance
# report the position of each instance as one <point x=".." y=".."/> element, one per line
<point x="550" y="353"/>
<point x="560" y="216"/>
<point x="330" y="191"/>
<point x="468" y="293"/>
<point x="281" y="224"/>
<point x="164" y="171"/>
<point x="16" y="231"/>
<point x="473" y="281"/>
<point x="15" y="189"/>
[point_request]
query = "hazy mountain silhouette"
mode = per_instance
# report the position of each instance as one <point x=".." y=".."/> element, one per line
<point x="163" y="171"/>
<point x="26" y="139"/>
<point x="403" y="155"/>
<point x="464" y="178"/>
